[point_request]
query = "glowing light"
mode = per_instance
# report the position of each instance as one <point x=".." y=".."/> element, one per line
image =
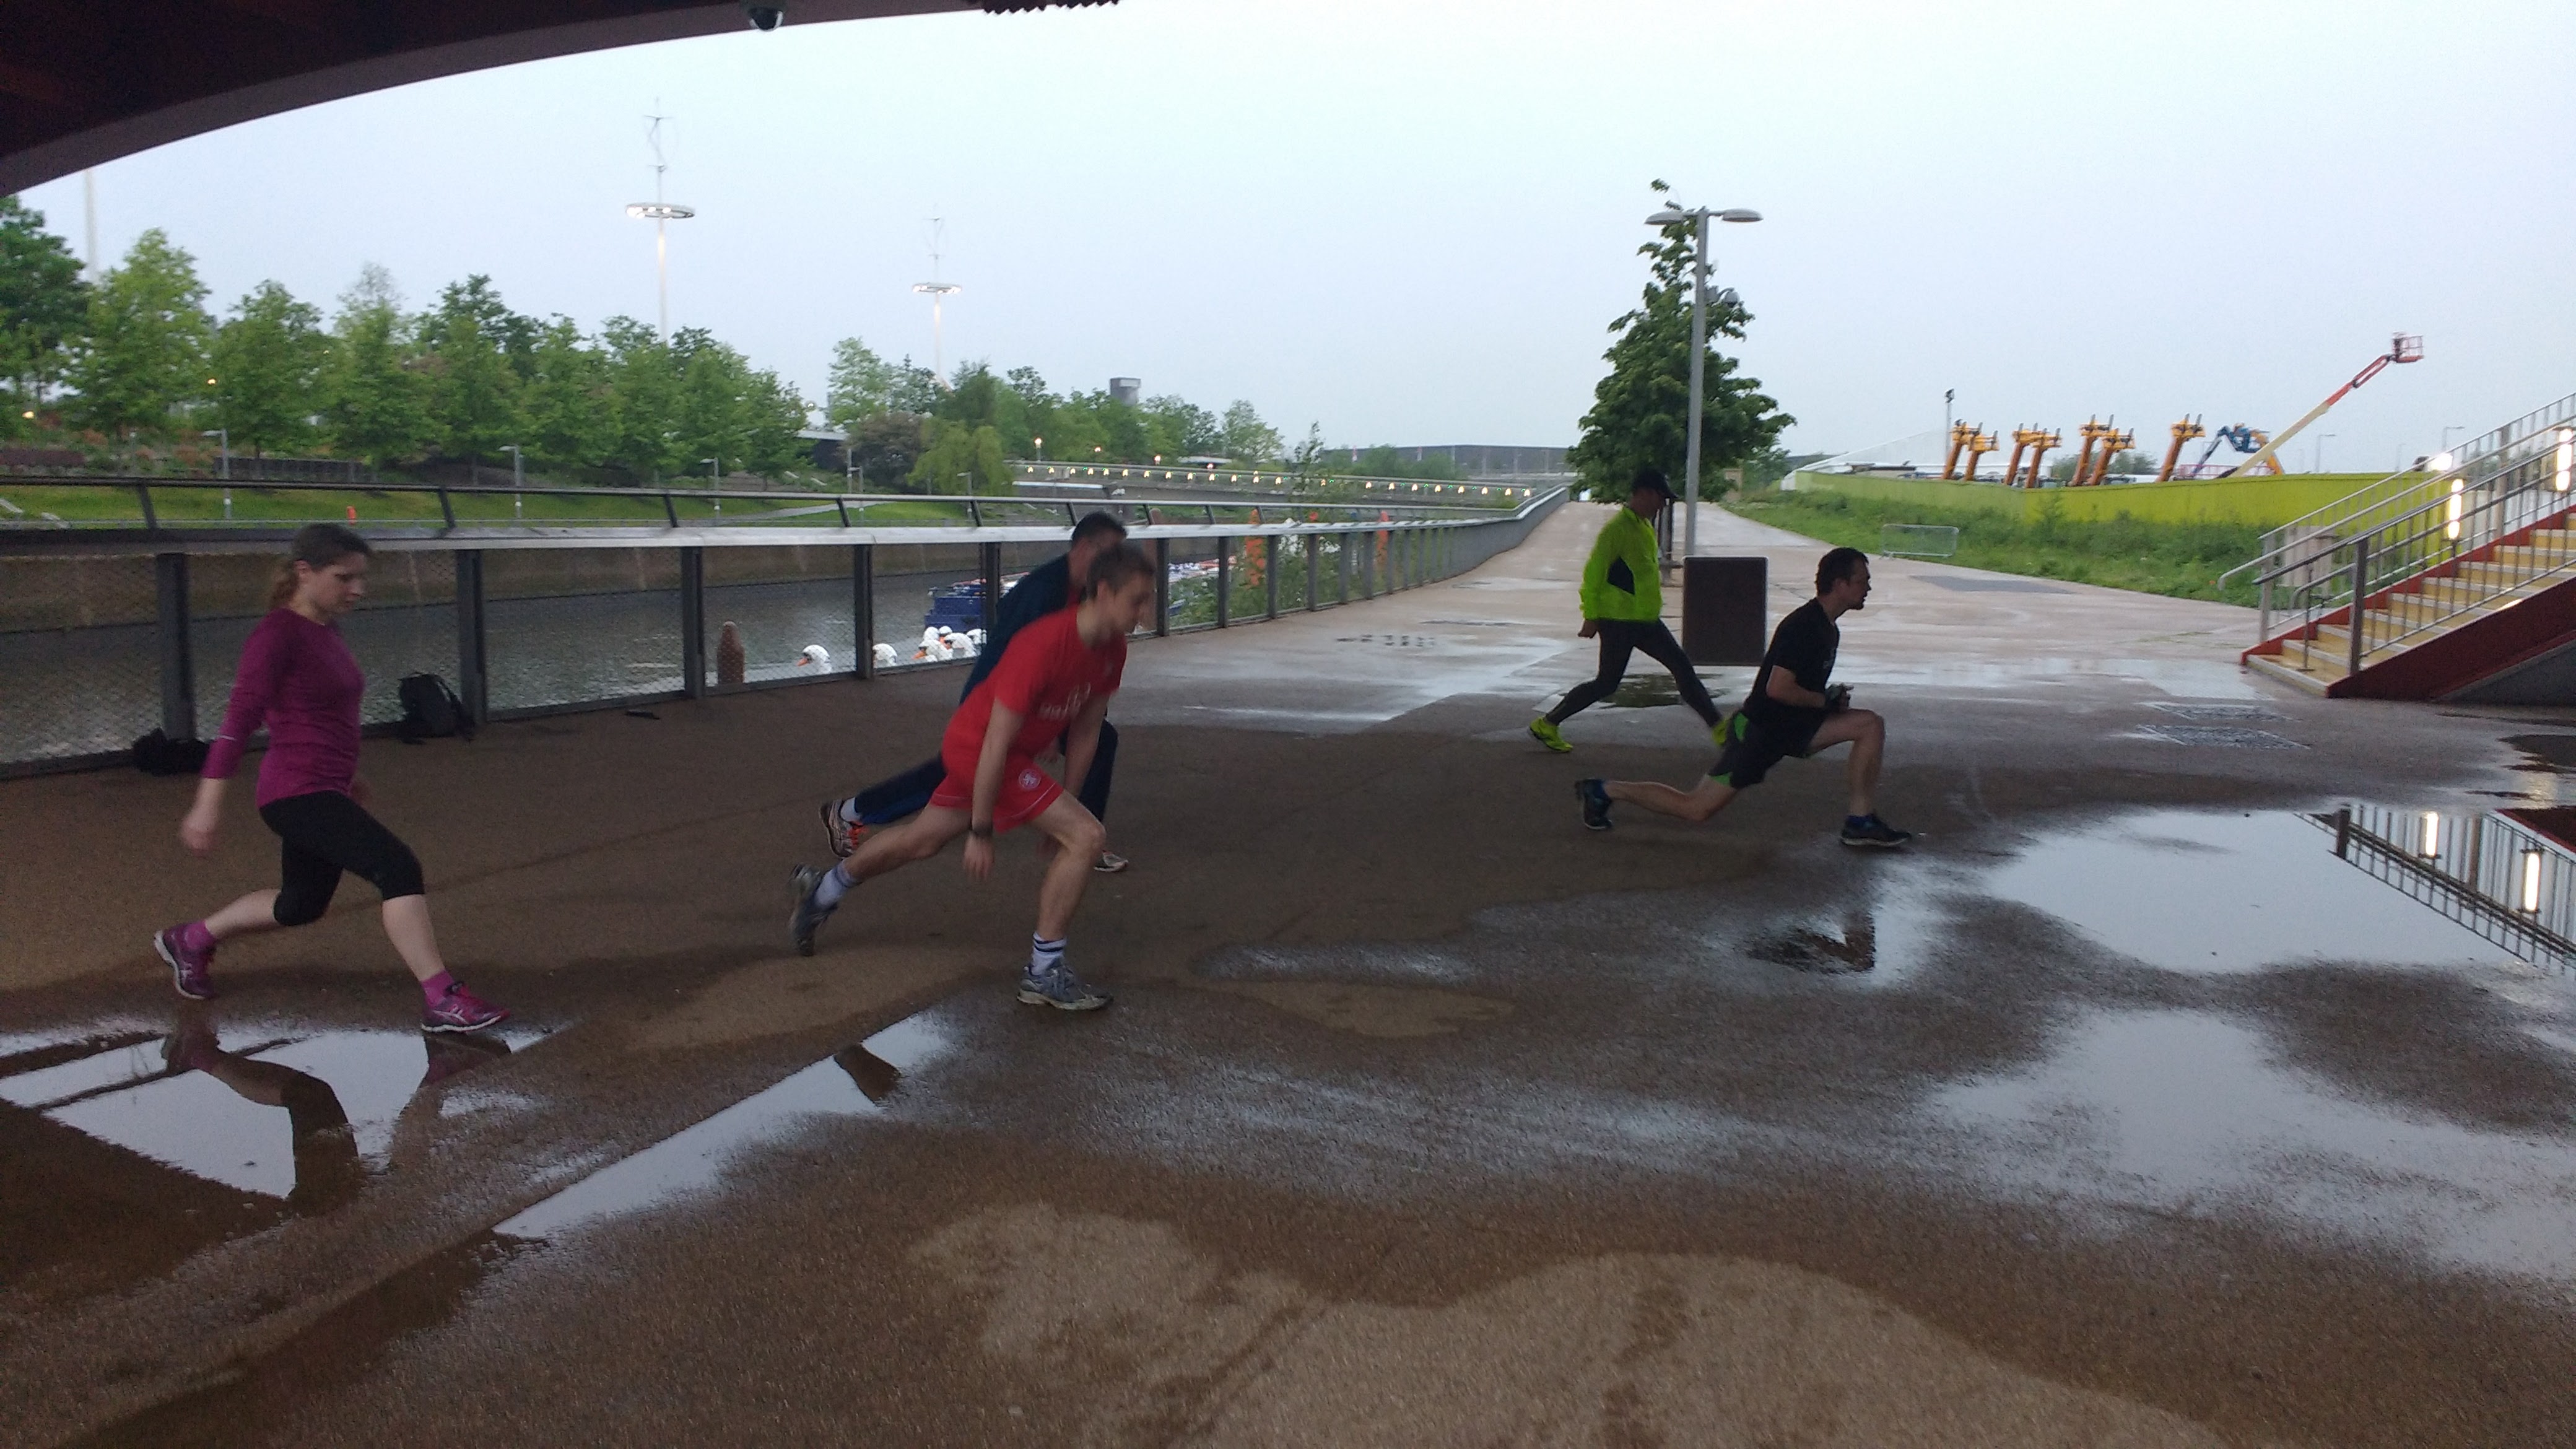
<point x="2451" y="513"/>
<point x="2531" y="881"/>
<point x="2566" y="457"/>
<point x="2432" y="833"/>
<point x="2441" y="462"/>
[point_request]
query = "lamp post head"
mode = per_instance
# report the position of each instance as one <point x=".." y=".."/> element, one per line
<point x="1669" y="216"/>
<point x="1739" y="214"/>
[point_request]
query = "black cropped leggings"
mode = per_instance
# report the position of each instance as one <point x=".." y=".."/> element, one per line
<point x="326" y="833"/>
<point x="1644" y="636"/>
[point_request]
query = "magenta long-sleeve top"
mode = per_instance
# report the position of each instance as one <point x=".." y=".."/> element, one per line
<point x="298" y="678"/>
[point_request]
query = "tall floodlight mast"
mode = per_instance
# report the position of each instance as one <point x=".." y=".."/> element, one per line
<point x="939" y="291"/>
<point x="662" y="214"/>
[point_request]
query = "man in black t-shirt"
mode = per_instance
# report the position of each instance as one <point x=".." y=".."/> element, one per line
<point x="1792" y="709"/>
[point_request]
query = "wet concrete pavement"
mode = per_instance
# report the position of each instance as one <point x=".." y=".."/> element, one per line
<point x="2122" y="1110"/>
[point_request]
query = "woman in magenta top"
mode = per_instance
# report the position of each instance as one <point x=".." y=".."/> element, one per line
<point x="300" y="680"/>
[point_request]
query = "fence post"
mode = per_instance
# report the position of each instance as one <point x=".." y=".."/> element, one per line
<point x="473" y="669"/>
<point x="1224" y="581"/>
<point x="1162" y="588"/>
<point x="1270" y="570"/>
<point x="178" y="672"/>
<point x="1342" y="567"/>
<point x="1314" y="572"/>
<point x="2360" y="596"/>
<point x="863" y="606"/>
<point x="693" y="622"/>
<point x="992" y="587"/>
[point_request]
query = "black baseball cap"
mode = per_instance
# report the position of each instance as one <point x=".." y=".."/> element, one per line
<point x="1650" y="478"/>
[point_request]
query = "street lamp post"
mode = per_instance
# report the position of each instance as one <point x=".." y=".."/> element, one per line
<point x="2317" y="464"/>
<point x="1697" y="218"/>
<point x="715" y="481"/>
<point x="223" y="463"/>
<point x="518" y="480"/>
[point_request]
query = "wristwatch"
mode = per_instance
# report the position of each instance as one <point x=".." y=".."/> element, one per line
<point x="980" y="832"/>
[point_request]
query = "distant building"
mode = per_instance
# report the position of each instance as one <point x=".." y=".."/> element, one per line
<point x="1126" y="389"/>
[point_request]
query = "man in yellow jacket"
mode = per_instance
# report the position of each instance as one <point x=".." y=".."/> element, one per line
<point x="1623" y="607"/>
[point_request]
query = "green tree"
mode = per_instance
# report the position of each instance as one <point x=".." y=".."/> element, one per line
<point x="916" y="389"/>
<point x="1247" y="439"/>
<point x="268" y="362"/>
<point x="475" y="300"/>
<point x="475" y="393"/>
<point x="962" y="458"/>
<point x="44" y="304"/>
<point x="773" y="413"/>
<point x="376" y="406"/>
<point x="1180" y="428"/>
<point x="566" y="403"/>
<point x="643" y="393"/>
<point x="1640" y="412"/>
<point x="889" y="445"/>
<point x="145" y="354"/>
<point x="860" y="385"/>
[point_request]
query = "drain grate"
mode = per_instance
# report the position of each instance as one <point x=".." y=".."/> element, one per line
<point x="2216" y="711"/>
<point x="2223" y="736"/>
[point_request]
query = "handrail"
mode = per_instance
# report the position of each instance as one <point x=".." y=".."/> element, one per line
<point x="2515" y="494"/>
<point x="779" y="506"/>
<point x="2477" y="463"/>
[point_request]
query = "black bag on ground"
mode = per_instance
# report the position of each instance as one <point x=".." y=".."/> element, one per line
<point x="431" y="710"/>
<point x="158" y="754"/>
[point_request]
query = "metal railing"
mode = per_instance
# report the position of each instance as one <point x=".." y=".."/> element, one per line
<point x="108" y="629"/>
<point x="2489" y="872"/>
<point x="2376" y="504"/>
<point x="2470" y="539"/>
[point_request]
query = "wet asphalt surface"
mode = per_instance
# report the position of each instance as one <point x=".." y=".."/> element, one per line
<point x="2120" y="1110"/>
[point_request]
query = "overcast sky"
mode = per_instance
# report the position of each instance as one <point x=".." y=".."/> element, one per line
<point x="1411" y="220"/>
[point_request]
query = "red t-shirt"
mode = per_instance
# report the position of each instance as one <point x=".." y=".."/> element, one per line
<point x="1047" y="676"/>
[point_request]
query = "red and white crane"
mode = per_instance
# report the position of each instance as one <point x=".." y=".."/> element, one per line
<point x="2401" y="348"/>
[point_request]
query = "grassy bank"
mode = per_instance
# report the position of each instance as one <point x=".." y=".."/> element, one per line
<point x="2180" y="559"/>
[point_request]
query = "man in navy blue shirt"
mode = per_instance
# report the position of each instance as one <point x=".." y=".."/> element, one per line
<point x="1041" y="591"/>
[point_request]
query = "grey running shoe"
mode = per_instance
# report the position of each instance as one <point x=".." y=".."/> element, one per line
<point x="1596" y="804"/>
<point x="461" y="1010"/>
<point x="1109" y="863"/>
<point x="1060" y="989"/>
<point x="1876" y="833"/>
<point x="807" y="917"/>
<point x="844" y="836"/>
<point x="190" y="971"/>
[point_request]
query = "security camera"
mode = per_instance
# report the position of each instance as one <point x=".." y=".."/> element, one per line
<point x="764" y="17"/>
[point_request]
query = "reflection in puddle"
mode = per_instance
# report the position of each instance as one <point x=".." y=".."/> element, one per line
<point x="2182" y="1112"/>
<point x="2507" y="875"/>
<point x="2202" y="892"/>
<point x="849" y="1083"/>
<point x="282" y="1113"/>
<point x="1852" y="951"/>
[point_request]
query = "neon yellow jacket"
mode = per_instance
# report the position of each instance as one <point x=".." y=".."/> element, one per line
<point x="1620" y="580"/>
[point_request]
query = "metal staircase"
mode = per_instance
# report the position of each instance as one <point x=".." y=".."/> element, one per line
<point x="2423" y="555"/>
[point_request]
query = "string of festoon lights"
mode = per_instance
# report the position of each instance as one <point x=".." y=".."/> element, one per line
<point x="1390" y="485"/>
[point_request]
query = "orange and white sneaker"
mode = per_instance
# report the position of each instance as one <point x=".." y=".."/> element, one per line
<point x="844" y="835"/>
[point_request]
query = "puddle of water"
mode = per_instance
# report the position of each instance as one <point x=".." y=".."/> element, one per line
<point x="2182" y="1112"/>
<point x="694" y="1160"/>
<point x="2201" y="892"/>
<point x="257" y="1112"/>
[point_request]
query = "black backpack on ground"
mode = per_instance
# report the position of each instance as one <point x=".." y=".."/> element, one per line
<point x="158" y="754"/>
<point x="431" y="710"/>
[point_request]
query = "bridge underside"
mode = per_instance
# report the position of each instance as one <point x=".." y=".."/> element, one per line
<point x="85" y="83"/>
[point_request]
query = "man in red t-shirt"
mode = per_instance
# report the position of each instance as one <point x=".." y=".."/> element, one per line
<point x="1053" y="683"/>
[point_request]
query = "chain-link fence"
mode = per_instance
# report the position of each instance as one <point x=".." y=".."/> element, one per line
<point x="98" y="648"/>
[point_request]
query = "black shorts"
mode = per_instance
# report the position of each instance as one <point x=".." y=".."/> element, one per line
<point x="326" y="833"/>
<point x="1751" y="749"/>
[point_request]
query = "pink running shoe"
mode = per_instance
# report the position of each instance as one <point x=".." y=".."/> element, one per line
<point x="461" y="1010"/>
<point x="190" y="970"/>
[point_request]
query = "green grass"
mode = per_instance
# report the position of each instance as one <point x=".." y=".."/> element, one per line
<point x="2182" y="560"/>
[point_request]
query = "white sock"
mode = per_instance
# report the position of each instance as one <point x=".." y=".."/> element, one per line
<point x="1045" y="955"/>
<point x="833" y="886"/>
